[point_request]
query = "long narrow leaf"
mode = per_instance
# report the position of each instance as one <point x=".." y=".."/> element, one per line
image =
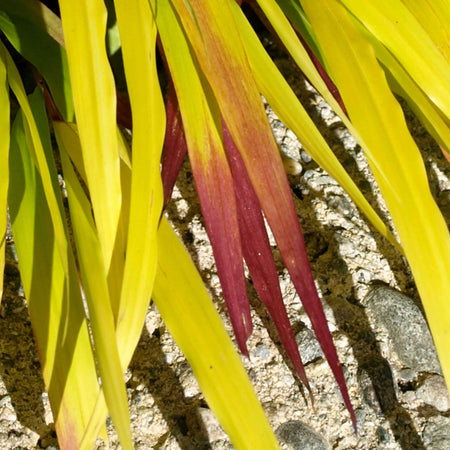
<point x="434" y="16"/>
<point x="95" y="285"/>
<point x="291" y="112"/>
<point x="84" y="25"/>
<point x="52" y="291"/>
<point x="393" y="24"/>
<point x="35" y="31"/>
<point x="402" y="84"/>
<point x="259" y="257"/>
<point x="224" y="63"/>
<point x="38" y="154"/>
<point x="179" y="293"/>
<point x="175" y="147"/>
<point x="69" y="143"/>
<point x="211" y="171"/>
<point x="138" y="36"/>
<point x="4" y="170"/>
<point x="394" y="159"/>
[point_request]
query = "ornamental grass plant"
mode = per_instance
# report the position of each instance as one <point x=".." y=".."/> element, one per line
<point x="117" y="93"/>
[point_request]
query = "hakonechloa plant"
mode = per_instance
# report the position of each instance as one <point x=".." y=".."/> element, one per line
<point x="121" y="250"/>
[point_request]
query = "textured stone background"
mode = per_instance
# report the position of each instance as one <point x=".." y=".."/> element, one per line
<point x="381" y="335"/>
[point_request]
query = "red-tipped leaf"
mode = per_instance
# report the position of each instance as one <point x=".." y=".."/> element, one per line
<point x="175" y="147"/>
<point x="210" y="168"/>
<point x="217" y="44"/>
<point x="258" y="254"/>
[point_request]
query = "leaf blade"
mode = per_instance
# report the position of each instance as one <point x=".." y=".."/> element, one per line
<point x="225" y="64"/>
<point x="4" y="157"/>
<point x="97" y="296"/>
<point x="138" y="35"/>
<point x="395" y="162"/>
<point x="179" y="292"/>
<point x="84" y="26"/>
<point x="212" y="174"/>
<point x="52" y="291"/>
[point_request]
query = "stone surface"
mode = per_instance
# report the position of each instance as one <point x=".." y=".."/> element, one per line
<point x="433" y="392"/>
<point x="436" y="435"/>
<point x="308" y="345"/>
<point x="406" y="327"/>
<point x="299" y="436"/>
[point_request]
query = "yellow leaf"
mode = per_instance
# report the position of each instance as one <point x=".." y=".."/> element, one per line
<point x="52" y="290"/>
<point x="84" y="26"/>
<point x="138" y="36"/>
<point x="191" y="318"/>
<point x="434" y="16"/>
<point x="288" y="108"/>
<point x="402" y="84"/>
<point x="394" y="158"/>
<point x="95" y="286"/>
<point x="402" y="34"/>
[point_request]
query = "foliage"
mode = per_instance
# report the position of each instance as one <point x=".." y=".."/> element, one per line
<point x="120" y="250"/>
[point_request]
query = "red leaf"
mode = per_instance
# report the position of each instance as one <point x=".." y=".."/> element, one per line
<point x="258" y="254"/>
<point x="215" y="189"/>
<point x="175" y="147"/>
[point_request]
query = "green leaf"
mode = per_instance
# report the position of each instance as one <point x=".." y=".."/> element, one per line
<point x="36" y="34"/>
<point x="52" y="290"/>
<point x="93" y="275"/>
<point x="38" y="155"/>
<point x="4" y="170"/>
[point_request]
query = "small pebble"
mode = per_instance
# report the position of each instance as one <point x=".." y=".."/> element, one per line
<point x="434" y="392"/>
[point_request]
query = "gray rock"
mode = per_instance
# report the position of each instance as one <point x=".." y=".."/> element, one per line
<point x="305" y="157"/>
<point x="298" y="435"/>
<point x="406" y="327"/>
<point x="341" y="204"/>
<point x="436" y="435"/>
<point x="262" y="351"/>
<point x="434" y="392"/>
<point x="308" y="346"/>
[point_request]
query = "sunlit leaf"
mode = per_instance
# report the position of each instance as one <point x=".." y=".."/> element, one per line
<point x="53" y="294"/>
<point x="434" y="17"/>
<point x="84" y="25"/>
<point x="225" y="65"/>
<point x="179" y="293"/>
<point x="402" y="84"/>
<point x="211" y="172"/>
<point x="138" y="36"/>
<point x="395" y="161"/>
<point x="258" y="255"/>
<point x="399" y="30"/>
<point x="95" y="286"/>
<point x="291" y="112"/>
